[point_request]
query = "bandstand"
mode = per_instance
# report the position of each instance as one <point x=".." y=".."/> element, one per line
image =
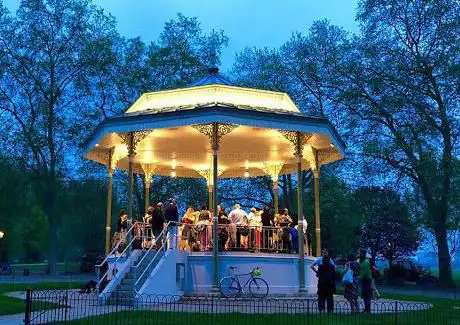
<point x="215" y="129"/>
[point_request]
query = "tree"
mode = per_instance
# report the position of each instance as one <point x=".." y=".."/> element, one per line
<point x="48" y="50"/>
<point x="180" y="56"/>
<point x="401" y="81"/>
<point x="387" y="229"/>
<point x="393" y="91"/>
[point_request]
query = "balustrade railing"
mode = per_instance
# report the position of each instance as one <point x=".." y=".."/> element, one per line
<point x="195" y="238"/>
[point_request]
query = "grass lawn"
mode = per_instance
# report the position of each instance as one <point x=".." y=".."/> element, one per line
<point x="10" y="305"/>
<point x="444" y="312"/>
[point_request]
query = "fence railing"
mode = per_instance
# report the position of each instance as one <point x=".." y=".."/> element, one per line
<point x="51" y="307"/>
<point x="199" y="237"/>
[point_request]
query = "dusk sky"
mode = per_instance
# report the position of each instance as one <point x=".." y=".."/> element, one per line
<point x="247" y="23"/>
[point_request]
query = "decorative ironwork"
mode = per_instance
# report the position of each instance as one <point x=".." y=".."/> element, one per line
<point x="273" y="169"/>
<point x="149" y="171"/>
<point x="326" y="156"/>
<point x="310" y="156"/>
<point x="207" y="174"/>
<point x="298" y="140"/>
<point x="132" y="139"/>
<point x="208" y="130"/>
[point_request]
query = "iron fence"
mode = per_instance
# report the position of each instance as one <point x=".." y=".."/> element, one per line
<point x="72" y="307"/>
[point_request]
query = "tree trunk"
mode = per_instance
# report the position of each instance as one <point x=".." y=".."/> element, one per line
<point x="444" y="260"/>
<point x="49" y="208"/>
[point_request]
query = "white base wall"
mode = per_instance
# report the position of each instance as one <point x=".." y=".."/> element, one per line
<point x="164" y="278"/>
<point x="280" y="271"/>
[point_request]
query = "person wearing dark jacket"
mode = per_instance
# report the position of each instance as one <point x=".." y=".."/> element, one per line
<point x="267" y="223"/>
<point x="326" y="285"/>
<point x="122" y="224"/>
<point x="157" y="221"/>
<point x="172" y="218"/>
<point x="171" y="212"/>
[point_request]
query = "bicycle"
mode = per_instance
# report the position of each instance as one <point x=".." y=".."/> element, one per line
<point x="230" y="286"/>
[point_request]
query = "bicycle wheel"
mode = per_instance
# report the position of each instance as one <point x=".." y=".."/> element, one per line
<point x="258" y="288"/>
<point x="230" y="287"/>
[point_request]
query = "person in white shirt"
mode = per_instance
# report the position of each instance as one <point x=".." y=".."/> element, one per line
<point x="236" y="217"/>
<point x="252" y="215"/>
<point x="254" y="220"/>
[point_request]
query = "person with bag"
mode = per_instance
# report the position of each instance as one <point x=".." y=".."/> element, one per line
<point x="350" y="282"/>
<point x="326" y="285"/>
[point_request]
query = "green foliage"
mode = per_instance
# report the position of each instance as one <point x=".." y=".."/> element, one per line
<point x="392" y="90"/>
<point x="64" y="68"/>
<point x="386" y="227"/>
<point x="339" y="219"/>
<point x="33" y="229"/>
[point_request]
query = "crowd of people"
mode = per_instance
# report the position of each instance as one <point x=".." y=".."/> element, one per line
<point x="256" y="230"/>
<point x="358" y="274"/>
<point x="253" y="230"/>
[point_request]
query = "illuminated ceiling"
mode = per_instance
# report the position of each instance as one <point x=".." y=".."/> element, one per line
<point x="172" y="145"/>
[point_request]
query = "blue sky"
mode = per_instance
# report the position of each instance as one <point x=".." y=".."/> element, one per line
<point x="248" y="23"/>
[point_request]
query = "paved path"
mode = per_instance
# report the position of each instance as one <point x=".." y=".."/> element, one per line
<point x="86" y="305"/>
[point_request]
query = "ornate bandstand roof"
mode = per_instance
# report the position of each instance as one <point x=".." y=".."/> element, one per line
<point x="257" y="131"/>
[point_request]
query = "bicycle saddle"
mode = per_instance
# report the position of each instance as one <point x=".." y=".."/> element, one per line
<point x="233" y="267"/>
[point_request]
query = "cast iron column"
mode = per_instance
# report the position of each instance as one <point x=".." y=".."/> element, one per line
<point x="299" y="146"/>
<point x="131" y="154"/>
<point x="317" y="216"/>
<point x="211" y="194"/>
<point x="108" y="221"/>
<point x="147" y="196"/>
<point x="215" y="244"/>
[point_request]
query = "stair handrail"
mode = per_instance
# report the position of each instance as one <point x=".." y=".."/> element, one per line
<point x="161" y="248"/>
<point x="99" y="280"/>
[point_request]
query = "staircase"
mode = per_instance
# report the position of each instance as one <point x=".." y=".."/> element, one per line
<point x="126" y="291"/>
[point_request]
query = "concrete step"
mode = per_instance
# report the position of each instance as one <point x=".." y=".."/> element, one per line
<point x="121" y="301"/>
<point x="127" y="281"/>
<point x="129" y="276"/>
<point x="119" y="294"/>
<point x="125" y="287"/>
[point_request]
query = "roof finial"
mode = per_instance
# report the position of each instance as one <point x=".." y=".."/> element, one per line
<point x="213" y="62"/>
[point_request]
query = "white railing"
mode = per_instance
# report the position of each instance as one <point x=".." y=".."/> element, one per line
<point x="162" y="236"/>
<point x="113" y="252"/>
